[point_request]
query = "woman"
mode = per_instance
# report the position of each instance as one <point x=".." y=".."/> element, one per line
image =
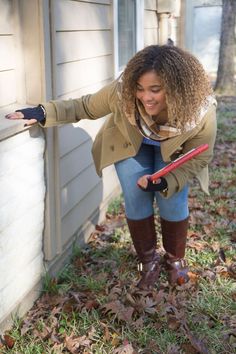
<point x="162" y="106"/>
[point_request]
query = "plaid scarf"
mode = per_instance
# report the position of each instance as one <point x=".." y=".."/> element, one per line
<point x="150" y="128"/>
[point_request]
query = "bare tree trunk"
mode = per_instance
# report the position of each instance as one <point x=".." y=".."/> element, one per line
<point x="225" y="83"/>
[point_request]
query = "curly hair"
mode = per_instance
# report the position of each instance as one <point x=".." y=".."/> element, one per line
<point x="185" y="82"/>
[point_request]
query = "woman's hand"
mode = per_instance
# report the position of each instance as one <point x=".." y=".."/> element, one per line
<point x="30" y="115"/>
<point x="147" y="185"/>
<point x="143" y="181"/>
<point x="20" y="115"/>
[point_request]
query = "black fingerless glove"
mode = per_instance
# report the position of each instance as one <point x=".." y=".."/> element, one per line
<point x="37" y="113"/>
<point x="155" y="187"/>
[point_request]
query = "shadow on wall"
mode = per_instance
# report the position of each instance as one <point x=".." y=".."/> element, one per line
<point x="81" y="189"/>
<point x="83" y="59"/>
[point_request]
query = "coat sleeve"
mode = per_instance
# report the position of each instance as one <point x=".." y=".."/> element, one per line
<point x="91" y="106"/>
<point x="178" y="178"/>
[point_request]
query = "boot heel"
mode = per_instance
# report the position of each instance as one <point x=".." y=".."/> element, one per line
<point x="149" y="273"/>
<point x="177" y="271"/>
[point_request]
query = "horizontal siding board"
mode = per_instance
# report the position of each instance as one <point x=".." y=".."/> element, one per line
<point x="81" y="213"/>
<point x="85" y="90"/>
<point x="6" y="17"/>
<point x="73" y="15"/>
<point x="74" y="46"/>
<point x="13" y="241"/>
<point x="150" y="4"/>
<point x="150" y="19"/>
<point x="23" y="143"/>
<point x="104" y="2"/>
<point x="150" y="36"/>
<point x="73" y="135"/>
<point x="22" y="178"/>
<point x="27" y="255"/>
<point x="74" y="75"/>
<point x="21" y="204"/>
<point x="77" y="189"/>
<point x="23" y="282"/>
<point x="75" y="162"/>
<point x="7" y="56"/>
<point x="9" y="182"/>
<point x="22" y="190"/>
<point x="7" y="87"/>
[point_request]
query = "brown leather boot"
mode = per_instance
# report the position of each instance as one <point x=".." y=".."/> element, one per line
<point x="174" y="237"/>
<point x="143" y="234"/>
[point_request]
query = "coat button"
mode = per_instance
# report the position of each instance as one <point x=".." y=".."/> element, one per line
<point x="112" y="147"/>
<point x="125" y="145"/>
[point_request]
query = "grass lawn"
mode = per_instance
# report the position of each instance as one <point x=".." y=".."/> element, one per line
<point x="94" y="307"/>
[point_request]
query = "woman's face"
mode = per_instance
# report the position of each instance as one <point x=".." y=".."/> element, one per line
<point x="151" y="93"/>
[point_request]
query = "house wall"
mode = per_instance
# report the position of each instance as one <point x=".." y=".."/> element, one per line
<point x="76" y="199"/>
<point x="22" y="183"/>
<point x="22" y="190"/>
<point x="7" y="57"/>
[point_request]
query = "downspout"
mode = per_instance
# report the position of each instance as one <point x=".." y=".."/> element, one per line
<point x="168" y="12"/>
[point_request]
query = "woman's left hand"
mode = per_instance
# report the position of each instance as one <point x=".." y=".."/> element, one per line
<point x="147" y="185"/>
<point x="143" y="181"/>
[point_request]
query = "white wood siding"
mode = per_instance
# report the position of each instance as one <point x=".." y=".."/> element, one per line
<point x="22" y="190"/>
<point x="22" y="179"/>
<point x="75" y="15"/>
<point x="74" y="46"/>
<point x="82" y="45"/>
<point x="7" y="54"/>
<point x="74" y="75"/>
<point x="150" y="23"/>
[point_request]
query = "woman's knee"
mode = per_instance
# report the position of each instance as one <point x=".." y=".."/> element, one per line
<point x="174" y="208"/>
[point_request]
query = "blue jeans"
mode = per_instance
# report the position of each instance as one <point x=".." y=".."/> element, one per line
<point x="139" y="204"/>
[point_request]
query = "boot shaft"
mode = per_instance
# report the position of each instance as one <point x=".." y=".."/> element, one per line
<point x="174" y="237"/>
<point x="143" y="234"/>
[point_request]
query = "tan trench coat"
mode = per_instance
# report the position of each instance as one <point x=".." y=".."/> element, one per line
<point x="118" y="139"/>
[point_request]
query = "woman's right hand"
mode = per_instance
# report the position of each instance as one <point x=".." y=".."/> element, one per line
<point x="20" y="115"/>
<point x="30" y="115"/>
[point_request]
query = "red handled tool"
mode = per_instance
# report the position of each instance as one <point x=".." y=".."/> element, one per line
<point x="178" y="162"/>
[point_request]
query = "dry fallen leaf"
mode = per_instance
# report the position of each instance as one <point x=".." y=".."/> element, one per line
<point x="188" y="348"/>
<point x="173" y="323"/>
<point x="8" y="341"/>
<point x="124" y="349"/>
<point x="173" y="349"/>
<point x="233" y="237"/>
<point x="232" y="270"/>
<point x="91" y="304"/>
<point x="193" y="277"/>
<point x="73" y="343"/>
<point x="117" y="308"/>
